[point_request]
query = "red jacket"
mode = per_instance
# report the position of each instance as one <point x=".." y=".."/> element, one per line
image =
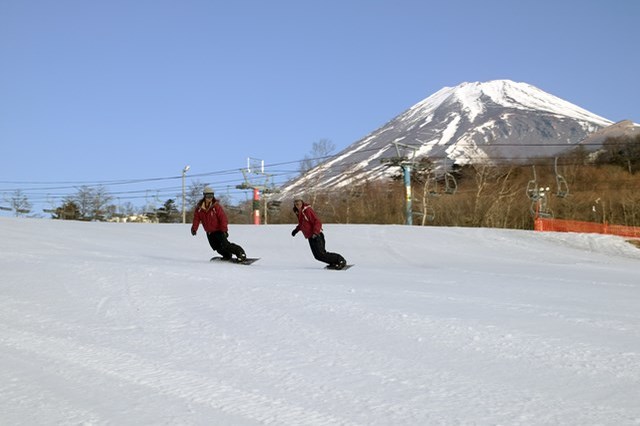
<point x="308" y="222"/>
<point x="213" y="218"/>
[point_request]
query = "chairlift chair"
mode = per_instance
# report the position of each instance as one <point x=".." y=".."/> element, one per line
<point x="563" y="187"/>
<point x="432" y="184"/>
<point x="450" y="184"/>
<point x="541" y="212"/>
<point x="532" y="187"/>
<point x="430" y="214"/>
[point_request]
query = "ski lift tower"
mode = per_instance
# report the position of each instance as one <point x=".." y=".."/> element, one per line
<point x="405" y="159"/>
<point x="257" y="180"/>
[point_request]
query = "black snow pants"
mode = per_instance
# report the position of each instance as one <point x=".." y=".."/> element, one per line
<point x="219" y="242"/>
<point x="319" y="252"/>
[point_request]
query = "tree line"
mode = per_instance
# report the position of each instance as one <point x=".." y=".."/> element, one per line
<point x="581" y="185"/>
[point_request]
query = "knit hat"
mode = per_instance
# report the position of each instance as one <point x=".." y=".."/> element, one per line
<point x="297" y="198"/>
<point x="207" y="190"/>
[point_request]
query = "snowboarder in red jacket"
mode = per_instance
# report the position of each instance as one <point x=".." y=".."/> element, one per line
<point x="210" y="213"/>
<point x="311" y="227"/>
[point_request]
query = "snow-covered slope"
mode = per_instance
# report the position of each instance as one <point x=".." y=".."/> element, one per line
<point x="477" y="98"/>
<point x="497" y="121"/>
<point x="129" y="324"/>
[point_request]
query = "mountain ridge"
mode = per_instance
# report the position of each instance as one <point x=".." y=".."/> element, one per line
<point x="479" y="122"/>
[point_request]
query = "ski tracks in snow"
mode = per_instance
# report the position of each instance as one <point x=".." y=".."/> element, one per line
<point x="427" y="358"/>
<point x="65" y="357"/>
<point x="103" y="335"/>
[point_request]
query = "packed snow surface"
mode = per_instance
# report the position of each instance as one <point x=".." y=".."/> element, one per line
<point x="130" y="324"/>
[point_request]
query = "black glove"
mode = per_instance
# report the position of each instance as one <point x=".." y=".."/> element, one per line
<point x="294" y="232"/>
<point x="226" y="235"/>
<point x="314" y="236"/>
<point x="193" y="232"/>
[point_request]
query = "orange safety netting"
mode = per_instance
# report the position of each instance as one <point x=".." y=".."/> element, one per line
<point x="560" y="225"/>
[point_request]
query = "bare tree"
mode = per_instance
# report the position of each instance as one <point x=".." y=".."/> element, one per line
<point x="20" y="203"/>
<point x="127" y="209"/>
<point x="100" y="203"/>
<point x="91" y="202"/>
<point x="193" y="194"/>
<point x="83" y="201"/>
<point x="319" y="152"/>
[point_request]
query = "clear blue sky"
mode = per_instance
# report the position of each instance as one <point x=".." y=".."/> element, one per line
<point x="113" y="90"/>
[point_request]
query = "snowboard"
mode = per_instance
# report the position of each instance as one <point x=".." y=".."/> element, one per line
<point x="331" y="268"/>
<point x="247" y="261"/>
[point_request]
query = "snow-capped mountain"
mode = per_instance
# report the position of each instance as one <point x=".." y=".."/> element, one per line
<point x="497" y="121"/>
